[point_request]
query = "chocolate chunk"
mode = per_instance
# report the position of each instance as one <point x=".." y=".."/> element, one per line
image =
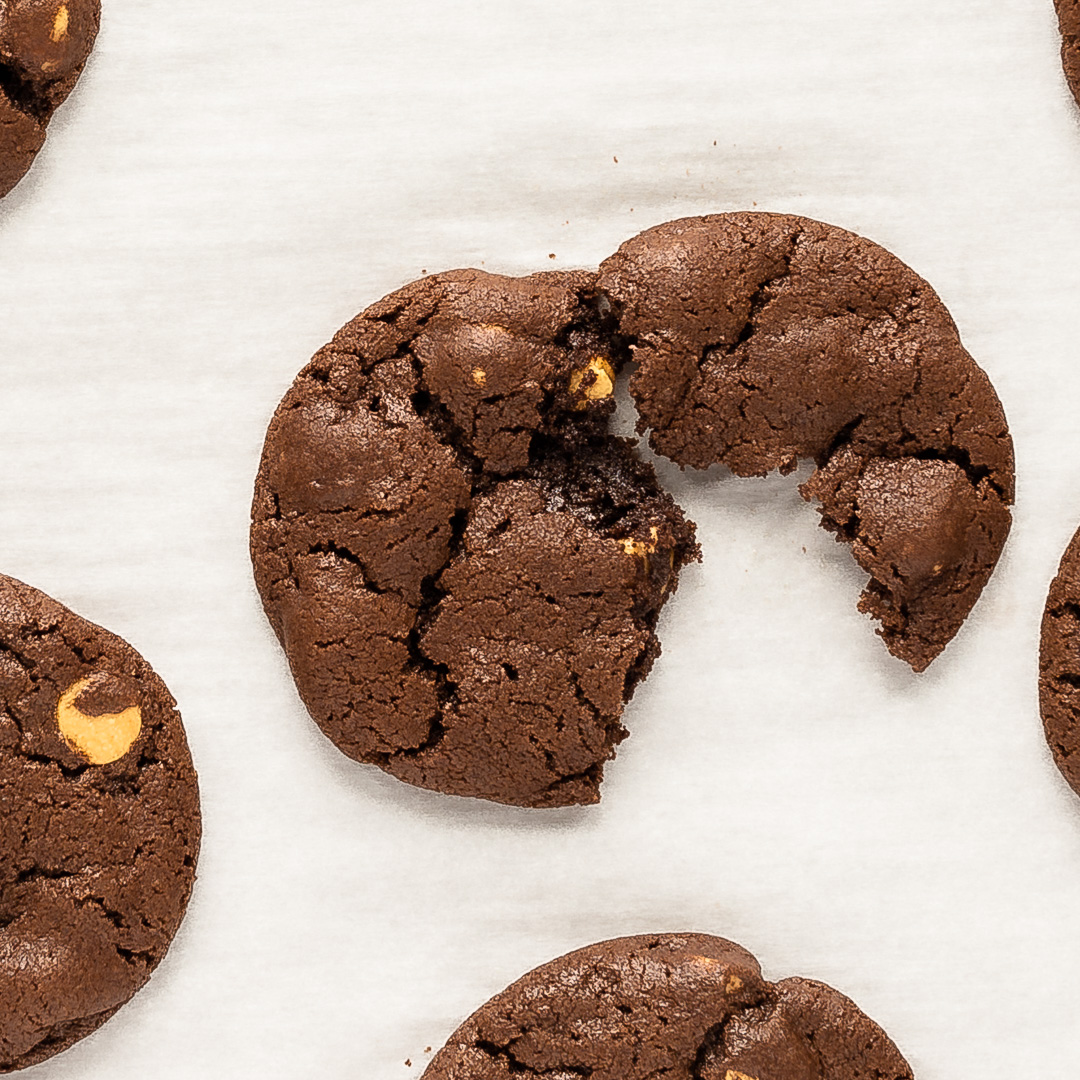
<point x="678" y="1006"/>
<point x="464" y="567"/>
<point x="763" y="339"/>
<point x="44" y="45"/>
<point x="100" y="811"/>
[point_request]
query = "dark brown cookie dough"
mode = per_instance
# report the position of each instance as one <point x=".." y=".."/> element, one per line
<point x="1068" y="13"/>
<point x="679" y="1006"/>
<point x="1059" y="665"/>
<point x="762" y="339"/>
<point x="43" y="47"/>
<point x="464" y="568"/>
<point x="100" y="825"/>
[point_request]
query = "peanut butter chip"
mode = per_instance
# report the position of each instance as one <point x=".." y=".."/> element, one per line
<point x="602" y="386"/>
<point x="731" y="1074"/>
<point x="733" y="984"/>
<point x="479" y="376"/>
<point x="60" y="24"/>
<point x="100" y="739"/>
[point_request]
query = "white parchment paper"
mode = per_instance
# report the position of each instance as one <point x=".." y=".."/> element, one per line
<point x="231" y="182"/>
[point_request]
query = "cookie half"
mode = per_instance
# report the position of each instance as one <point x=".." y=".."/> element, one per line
<point x="678" y="1006"/>
<point x="100" y="811"/>
<point x="44" y="45"/>
<point x="762" y="339"/>
<point x="464" y="568"/>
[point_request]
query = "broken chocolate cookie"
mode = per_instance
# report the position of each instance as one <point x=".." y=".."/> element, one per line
<point x="678" y="1006"/>
<point x="464" y="568"/>
<point x="43" y="48"/>
<point x="100" y="811"/>
<point x="762" y="339"/>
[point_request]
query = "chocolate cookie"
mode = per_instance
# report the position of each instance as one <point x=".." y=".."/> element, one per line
<point x="1059" y="665"/>
<point x="679" y="1006"/>
<point x="761" y="339"/>
<point x="100" y="812"/>
<point x="464" y="568"/>
<point x="1068" y="13"/>
<point x="43" y="47"/>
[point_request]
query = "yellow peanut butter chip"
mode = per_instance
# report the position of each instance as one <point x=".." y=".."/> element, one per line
<point x="603" y="386"/>
<point x="639" y="547"/>
<point x="100" y="739"/>
<point x="734" y="983"/>
<point x="60" y="23"/>
<point x="479" y="376"/>
<point x="731" y="1074"/>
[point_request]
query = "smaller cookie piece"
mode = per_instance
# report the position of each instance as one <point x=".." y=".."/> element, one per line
<point x="1059" y="665"/>
<point x="43" y="48"/>
<point x="766" y="339"/>
<point x="100" y="811"/>
<point x="677" y="1006"/>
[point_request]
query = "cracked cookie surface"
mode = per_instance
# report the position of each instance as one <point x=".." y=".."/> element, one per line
<point x="464" y="568"/>
<point x="676" y="1006"/>
<point x="43" y="48"/>
<point x="101" y="827"/>
<point x="1059" y="665"/>
<point x="763" y="339"/>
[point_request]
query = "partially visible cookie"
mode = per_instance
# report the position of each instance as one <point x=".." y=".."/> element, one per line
<point x="763" y="339"/>
<point x="100" y="811"/>
<point x="1059" y="665"/>
<point x="43" y="48"/>
<point x="464" y="568"/>
<point x="1068" y="13"/>
<point x="677" y="1006"/>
